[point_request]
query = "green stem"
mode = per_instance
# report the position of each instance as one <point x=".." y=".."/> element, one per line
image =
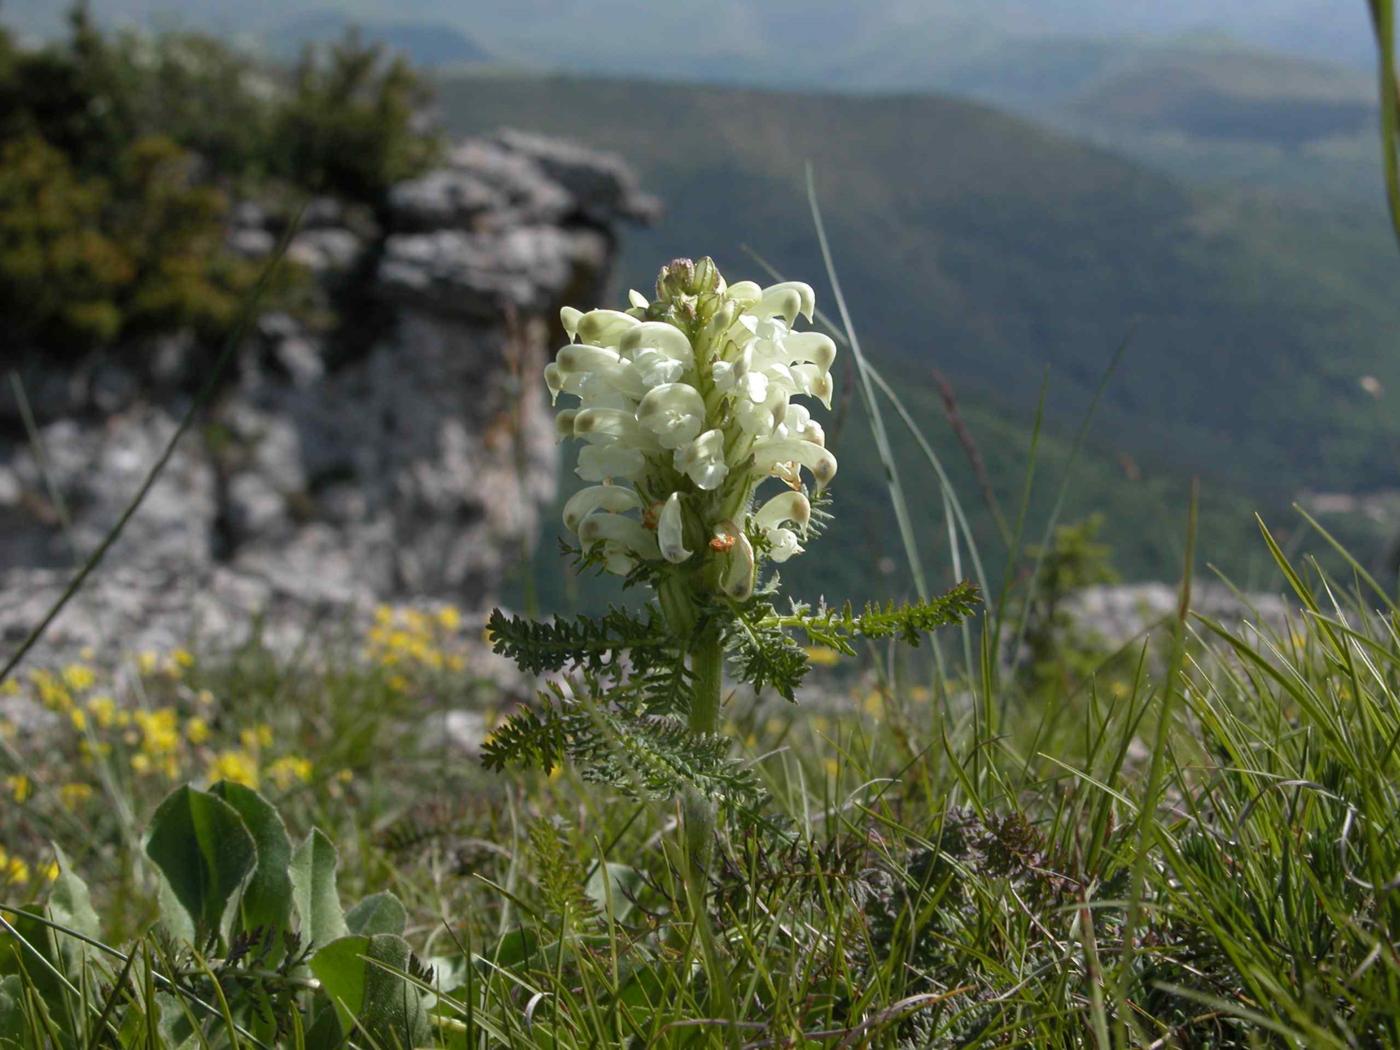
<point x="707" y="664"/>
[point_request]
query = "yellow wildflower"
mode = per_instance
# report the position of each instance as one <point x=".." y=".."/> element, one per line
<point x="141" y="764"/>
<point x="20" y="787"/>
<point x="147" y="661"/>
<point x="49" y="872"/>
<point x="204" y="697"/>
<point x="79" y="719"/>
<point x="289" y="770"/>
<point x="238" y="767"/>
<point x="53" y="694"/>
<point x="88" y="749"/>
<point x="874" y="703"/>
<point x="9" y="687"/>
<point x="197" y="730"/>
<point x="256" y="737"/>
<point x="821" y="656"/>
<point x="74" y="795"/>
<point x="160" y="733"/>
<point x="181" y="660"/>
<point x="449" y="618"/>
<point x="13" y="871"/>
<point x="832" y="767"/>
<point x="78" y="677"/>
<point x="103" y="710"/>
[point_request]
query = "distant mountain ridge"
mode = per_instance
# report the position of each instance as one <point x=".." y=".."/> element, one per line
<point x="431" y="45"/>
<point x="781" y="41"/>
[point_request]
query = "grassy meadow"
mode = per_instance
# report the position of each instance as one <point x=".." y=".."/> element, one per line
<point x="1187" y="842"/>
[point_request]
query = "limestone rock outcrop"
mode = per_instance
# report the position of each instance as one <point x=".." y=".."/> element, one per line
<point x="403" y="455"/>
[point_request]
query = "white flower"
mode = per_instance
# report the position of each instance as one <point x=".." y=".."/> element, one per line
<point x="739" y="573"/>
<point x="703" y="460"/>
<point x="615" y="498"/>
<point x="670" y="527"/>
<point x="609" y="463"/>
<point x="674" y="412"/>
<point x="685" y="406"/>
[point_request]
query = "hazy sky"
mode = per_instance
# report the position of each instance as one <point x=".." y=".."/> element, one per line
<point x="1330" y="29"/>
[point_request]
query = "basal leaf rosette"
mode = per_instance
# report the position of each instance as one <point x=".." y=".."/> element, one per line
<point x="696" y="447"/>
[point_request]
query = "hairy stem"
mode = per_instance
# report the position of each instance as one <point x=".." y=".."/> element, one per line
<point x="707" y="663"/>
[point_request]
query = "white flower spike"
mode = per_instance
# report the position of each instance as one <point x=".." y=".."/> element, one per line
<point x="685" y="407"/>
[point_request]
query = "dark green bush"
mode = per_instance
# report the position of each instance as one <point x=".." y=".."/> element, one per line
<point x="119" y="154"/>
<point x="59" y="274"/>
<point x="348" y="127"/>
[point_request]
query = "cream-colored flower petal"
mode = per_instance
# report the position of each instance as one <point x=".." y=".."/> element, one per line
<point x="658" y="335"/>
<point x="626" y="532"/>
<point x="670" y="531"/>
<point x="569" y="318"/>
<point x="703" y="460"/>
<point x="822" y="464"/>
<point x="786" y="506"/>
<point x="616" y="499"/>
<point x="674" y="412"/>
<point x="605" y="327"/>
<point x="605" y="462"/>
<point x="584" y="357"/>
<point x="745" y="292"/>
<point x="739" y="569"/>
<point x="786" y="299"/>
<point x="815" y="347"/>
<point x="553" y="381"/>
<point x="783" y="544"/>
<point x="564" y="423"/>
<point x="655" y="368"/>
<point x="602" y="426"/>
<point x="617" y="561"/>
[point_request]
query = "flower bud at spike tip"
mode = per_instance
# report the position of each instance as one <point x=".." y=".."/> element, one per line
<point x="691" y="416"/>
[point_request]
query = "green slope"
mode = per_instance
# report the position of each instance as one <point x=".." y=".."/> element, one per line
<point x="1000" y="253"/>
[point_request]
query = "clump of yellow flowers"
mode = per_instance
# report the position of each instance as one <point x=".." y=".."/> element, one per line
<point x="120" y="736"/>
<point x="406" y="642"/>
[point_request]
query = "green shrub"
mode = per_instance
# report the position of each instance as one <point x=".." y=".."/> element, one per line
<point x="59" y="273"/>
<point x="348" y="127"/>
<point x="118" y="153"/>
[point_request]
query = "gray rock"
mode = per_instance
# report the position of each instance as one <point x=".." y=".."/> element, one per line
<point x="329" y="251"/>
<point x="449" y="198"/>
<point x="481" y="274"/>
<point x="329" y="478"/>
<point x="1118" y="613"/>
<point x="604" y="188"/>
<point x="251" y="243"/>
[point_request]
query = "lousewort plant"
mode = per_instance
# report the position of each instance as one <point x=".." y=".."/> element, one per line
<point x="703" y="467"/>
